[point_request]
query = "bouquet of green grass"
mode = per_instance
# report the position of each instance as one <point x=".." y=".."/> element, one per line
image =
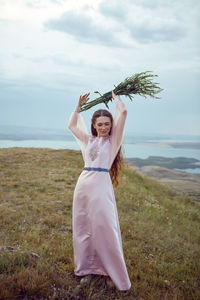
<point x="138" y="84"/>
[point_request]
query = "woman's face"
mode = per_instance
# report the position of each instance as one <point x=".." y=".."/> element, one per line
<point x="102" y="126"/>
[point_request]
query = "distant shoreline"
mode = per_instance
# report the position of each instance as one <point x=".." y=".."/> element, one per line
<point x="166" y="162"/>
<point x="133" y="141"/>
<point x="180" y="145"/>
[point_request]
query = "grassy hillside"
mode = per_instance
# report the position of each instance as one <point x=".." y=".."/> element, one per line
<point x="160" y="232"/>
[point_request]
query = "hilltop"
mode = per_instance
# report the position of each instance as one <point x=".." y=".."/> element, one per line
<point x="160" y="232"/>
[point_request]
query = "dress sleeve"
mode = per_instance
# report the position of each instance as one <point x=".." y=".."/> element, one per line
<point x="79" y="130"/>
<point x="119" y="120"/>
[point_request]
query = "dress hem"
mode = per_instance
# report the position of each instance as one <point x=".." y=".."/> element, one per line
<point x="90" y="271"/>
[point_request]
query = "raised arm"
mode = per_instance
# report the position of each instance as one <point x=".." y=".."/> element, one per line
<point x="119" y="120"/>
<point x="76" y="123"/>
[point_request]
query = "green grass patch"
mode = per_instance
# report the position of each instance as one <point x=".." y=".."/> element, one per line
<point x="160" y="232"/>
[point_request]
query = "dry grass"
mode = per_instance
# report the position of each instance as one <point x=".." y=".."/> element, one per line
<point x="160" y="232"/>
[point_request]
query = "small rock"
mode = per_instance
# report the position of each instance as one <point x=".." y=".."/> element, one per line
<point x="167" y="282"/>
<point x="34" y="255"/>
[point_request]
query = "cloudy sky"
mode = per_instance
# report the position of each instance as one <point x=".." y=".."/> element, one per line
<point x="52" y="51"/>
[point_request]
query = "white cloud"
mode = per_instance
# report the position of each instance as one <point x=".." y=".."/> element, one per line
<point x="153" y="21"/>
<point x="85" y="29"/>
<point x="114" y="9"/>
<point x="162" y="31"/>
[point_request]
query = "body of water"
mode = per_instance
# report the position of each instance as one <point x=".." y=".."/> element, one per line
<point x="137" y="150"/>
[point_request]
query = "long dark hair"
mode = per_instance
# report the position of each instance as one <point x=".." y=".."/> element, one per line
<point x="118" y="161"/>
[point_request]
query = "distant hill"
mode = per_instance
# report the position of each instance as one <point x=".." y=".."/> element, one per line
<point x="185" y="183"/>
<point x="166" y="162"/>
<point x="164" y="170"/>
<point x="24" y="133"/>
<point x="27" y="132"/>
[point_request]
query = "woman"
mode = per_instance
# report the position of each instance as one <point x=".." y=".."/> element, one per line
<point x="96" y="230"/>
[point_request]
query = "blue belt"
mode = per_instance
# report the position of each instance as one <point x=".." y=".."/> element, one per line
<point x="96" y="169"/>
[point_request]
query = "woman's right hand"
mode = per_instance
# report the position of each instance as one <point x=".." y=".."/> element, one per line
<point x="83" y="99"/>
<point x="113" y="95"/>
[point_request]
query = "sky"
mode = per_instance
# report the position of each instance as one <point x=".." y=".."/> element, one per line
<point x="53" y="51"/>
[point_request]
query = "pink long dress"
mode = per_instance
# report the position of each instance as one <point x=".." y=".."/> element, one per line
<point x="96" y="231"/>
